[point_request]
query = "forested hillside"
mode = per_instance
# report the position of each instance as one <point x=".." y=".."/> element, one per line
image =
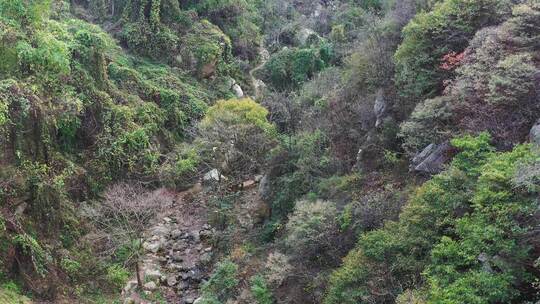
<point x="270" y="151"/>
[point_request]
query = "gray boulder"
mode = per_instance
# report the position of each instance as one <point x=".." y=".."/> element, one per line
<point x="237" y="89"/>
<point x="432" y="159"/>
<point x="150" y="286"/>
<point x="265" y="188"/>
<point x="534" y="134"/>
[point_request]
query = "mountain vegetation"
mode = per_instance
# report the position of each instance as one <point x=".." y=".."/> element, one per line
<point x="278" y="151"/>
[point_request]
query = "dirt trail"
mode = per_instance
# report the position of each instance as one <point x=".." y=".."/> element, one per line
<point x="257" y="83"/>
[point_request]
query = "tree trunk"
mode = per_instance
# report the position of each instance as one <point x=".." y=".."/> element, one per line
<point x="138" y="270"/>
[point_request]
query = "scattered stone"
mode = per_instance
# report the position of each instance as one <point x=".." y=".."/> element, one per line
<point x="152" y="275"/>
<point x="129" y="300"/>
<point x="205" y="258"/>
<point x="205" y="234"/>
<point x="150" y="286"/>
<point x="160" y="231"/>
<point x="189" y="300"/>
<point x="167" y="219"/>
<point x="152" y="247"/>
<point x="213" y="176"/>
<point x="178" y="246"/>
<point x="171" y="281"/>
<point x="177" y="257"/>
<point x="130" y="286"/>
<point x="176" y="233"/>
<point x="182" y="285"/>
<point x="195" y="236"/>
<point x="249" y="184"/>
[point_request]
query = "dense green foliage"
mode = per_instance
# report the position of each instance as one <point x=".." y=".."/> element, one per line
<point x="291" y="67"/>
<point x="460" y="236"/>
<point x="77" y="112"/>
<point x="431" y="35"/>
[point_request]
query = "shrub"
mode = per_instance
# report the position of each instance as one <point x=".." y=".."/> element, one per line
<point x="512" y="81"/>
<point x="50" y="57"/>
<point x="496" y="74"/>
<point x="456" y="229"/>
<point x="236" y="136"/>
<point x="117" y="275"/>
<point x="222" y="282"/>
<point x="260" y="290"/>
<point x="431" y="35"/>
<point x="71" y="267"/>
<point x="305" y="159"/>
<point x="11" y="293"/>
<point x="33" y="249"/>
<point x="289" y="68"/>
<point x="429" y="123"/>
<point x="155" y="42"/>
<point x="311" y="229"/>
<point x="181" y="167"/>
<point x="277" y="269"/>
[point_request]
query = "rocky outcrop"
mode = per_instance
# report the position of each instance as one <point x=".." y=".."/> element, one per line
<point x="432" y="159"/>
<point x="265" y="188"/>
<point x="380" y="107"/>
<point x="534" y="134"/>
<point x="235" y="88"/>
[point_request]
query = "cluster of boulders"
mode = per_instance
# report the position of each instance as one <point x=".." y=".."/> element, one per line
<point x="175" y="262"/>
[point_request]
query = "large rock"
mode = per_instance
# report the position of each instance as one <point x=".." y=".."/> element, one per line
<point x="265" y="188"/>
<point x="237" y="90"/>
<point x="131" y="285"/>
<point x="534" y="134"/>
<point x="432" y="159"/>
<point x="380" y="107"/>
<point x="213" y="176"/>
<point x="150" y="286"/>
<point x="160" y="230"/>
<point x="153" y="246"/>
<point x="171" y="281"/>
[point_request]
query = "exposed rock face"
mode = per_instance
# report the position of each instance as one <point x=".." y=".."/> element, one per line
<point x="265" y="188"/>
<point x="432" y="159"/>
<point x="380" y="107"/>
<point x="534" y="134"/>
<point x="213" y="176"/>
<point x="236" y="88"/>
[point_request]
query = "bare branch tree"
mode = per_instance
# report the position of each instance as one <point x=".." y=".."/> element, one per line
<point x="126" y="212"/>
